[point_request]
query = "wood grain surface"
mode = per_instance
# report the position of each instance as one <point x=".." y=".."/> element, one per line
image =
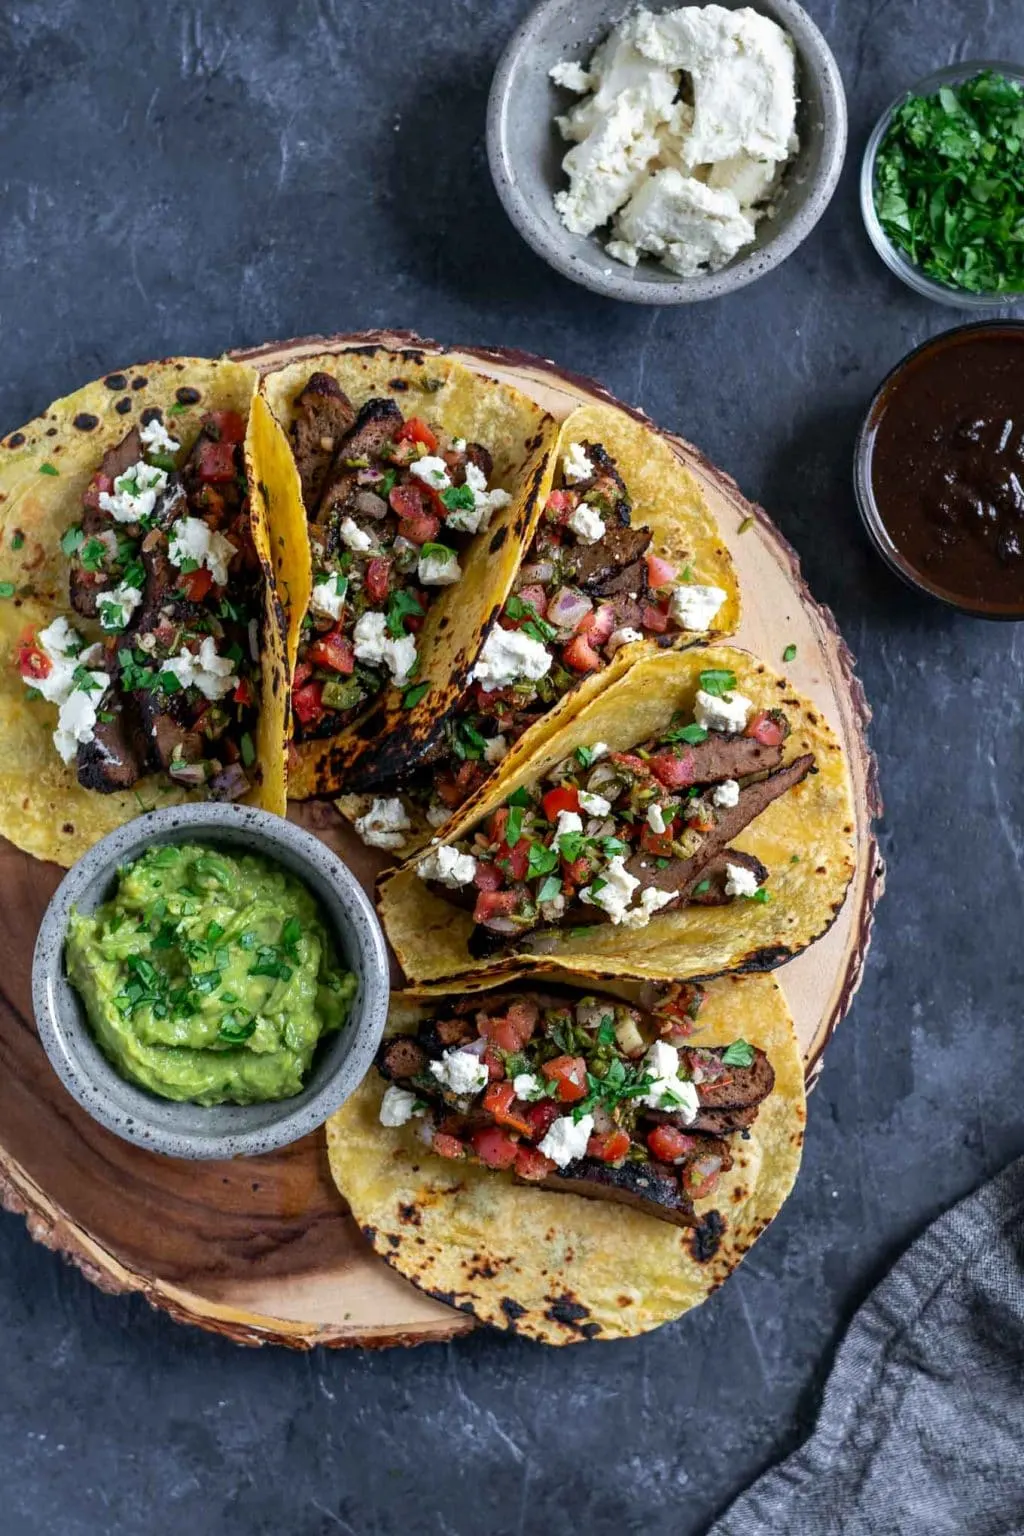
<point x="262" y="1250"/>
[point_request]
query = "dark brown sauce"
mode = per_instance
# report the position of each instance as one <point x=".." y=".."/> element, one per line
<point x="947" y="465"/>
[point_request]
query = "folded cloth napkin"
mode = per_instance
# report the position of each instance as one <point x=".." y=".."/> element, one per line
<point x="921" y="1430"/>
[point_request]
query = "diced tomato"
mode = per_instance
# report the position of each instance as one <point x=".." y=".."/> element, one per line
<point x="494" y="1064"/>
<point x="575" y="872"/>
<point x="659" y="572"/>
<point x="564" y="798"/>
<point x="494" y="904"/>
<point x="495" y="1147"/>
<point x="32" y="661"/>
<point x="378" y="579"/>
<point x="243" y="693"/>
<point x="524" y="1017"/>
<point x="653" y="619"/>
<point x="415" y="430"/>
<point x="455" y="788"/>
<point x="532" y="1165"/>
<point x="448" y="1146"/>
<point x="597" y="625"/>
<point x="510" y="1031"/>
<point x="672" y="771"/>
<point x="196" y="584"/>
<point x="500" y="1101"/>
<point x="308" y="702"/>
<point x="229" y="425"/>
<point x="580" y="655"/>
<point x="97" y="484"/>
<point x="303" y="673"/>
<point x="487" y="877"/>
<point x="766" y="729"/>
<point x="668" y="1144"/>
<point x="629" y="760"/>
<point x="517" y="858"/>
<point x="701" y="1176"/>
<point x="537" y="599"/>
<point x="609" y="1146"/>
<point x="541" y="1117"/>
<point x="497" y="824"/>
<point x="420" y="529"/>
<point x="216" y="460"/>
<point x="570" y="1073"/>
<point x="334" y="651"/>
<point x="657" y="843"/>
<point x="559" y="505"/>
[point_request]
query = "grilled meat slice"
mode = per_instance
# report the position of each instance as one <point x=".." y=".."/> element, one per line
<point x="375" y="426"/>
<point x="721" y="756"/>
<point x="85" y="586"/>
<point x="323" y="415"/>
<point x="113" y="759"/>
<point x="122" y="455"/>
<point x="601" y="568"/>
<point x="648" y="1187"/>
<point x="728" y="1104"/>
<point x="606" y="485"/>
<point x="629" y="613"/>
<point x="170" y="739"/>
<point x="716" y="873"/>
<point x="400" y="1058"/>
<point x="439" y="1035"/>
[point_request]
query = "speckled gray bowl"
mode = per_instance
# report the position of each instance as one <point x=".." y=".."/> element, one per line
<point x="525" y="150"/>
<point x="228" y="1130"/>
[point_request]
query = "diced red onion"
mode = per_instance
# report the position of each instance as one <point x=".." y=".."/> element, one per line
<point x="499" y="924"/>
<point x="540" y="572"/>
<point x="476" y="1048"/>
<point x="231" y="784"/>
<point x="369" y="476"/>
<point x="602" y="1119"/>
<point x="567" y="608"/>
<point x="368" y="504"/>
<point x="189" y="774"/>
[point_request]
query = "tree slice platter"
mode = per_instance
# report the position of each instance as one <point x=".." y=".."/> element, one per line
<point x="263" y="1250"/>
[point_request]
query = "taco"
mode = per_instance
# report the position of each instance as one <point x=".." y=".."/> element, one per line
<point x="694" y="817"/>
<point x="398" y="528"/>
<point x="571" y="1164"/>
<point x="141" y="643"/>
<point x="625" y="551"/>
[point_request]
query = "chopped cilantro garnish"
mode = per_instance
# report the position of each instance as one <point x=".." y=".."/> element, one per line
<point x="92" y="554"/>
<point x="662" y="863"/>
<point x="48" y="469"/>
<point x="17" y="539"/>
<point x="541" y="861"/>
<point x="71" y="539"/>
<point x="520" y="797"/>
<point x="789" y="654"/>
<point x="537" y="628"/>
<point x="177" y="409"/>
<point x="693" y="735"/>
<point x="551" y="888"/>
<point x="401" y="605"/>
<point x="291" y="933"/>
<point x="430" y="551"/>
<point x="717" y="681"/>
<point x="794" y="858"/>
<point x="7" y="589"/>
<point x="606" y="1032"/>
<point x="468" y="742"/>
<point x="570" y="845"/>
<point x="613" y="847"/>
<point x="235" y="1030"/>
<point x="386" y="486"/>
<point x="687" y="573"/>
<point x="514" y="826"/>
<point x="597" y="885"/>
<point x="738" y="1054"/>
<point x="699" y="889"/>
<point x="762" y="896"/>
<point x="584" y="756"/>
<point x="459" y="498"/>
<point x="412" y="696"/>
<point x="247" y="749"/>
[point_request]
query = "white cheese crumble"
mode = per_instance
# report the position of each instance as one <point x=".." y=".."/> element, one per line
<point x="586" y="524"/>
<point x="527" y="1086"/>
<point x="384" y="825"/>
<point x="438" y="813"/>
<point x="210" y="673"/>
<point x="156" y="438"/>
<point x="740" y="881"/>
<point x="620" y="637"/>
<point x="397" y="1106"/>
<point x="432" y="471"/>
<point x="437" y="569"/>
<point x="376" y="647"/>
<point x="655" y="819"/>
<point x="76" y="717"/>
<point x="694" y="606"/>
<point x="326" y="600"/>
<point x="116" y="608"/>
<point x="353" y="537"/>
<point x="567" y="1139"/>
<point x="448" y="867"/>
<point x="461" y="1072"/>
<point x="507" y="656"/>
<point x="570" y="75"/>
<point x="729" y="712"/>
<point x="192" y="539"/>
<point x="576" y="465"/>
<point x="651" y="901"/>
<point x="485" y="503"/>
<point x="617" y="891"/>
<point x="598" y="750"/>
<point x="726" y="794"/>
<point x="662" y="1062"/>
<point x="135" y="493"/>
<point x="567" y="822"/>
<point x="496" y="749"/>
<point x="594" y="805"/>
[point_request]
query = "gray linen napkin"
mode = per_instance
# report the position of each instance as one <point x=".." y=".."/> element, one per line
<point x="921" y="1430"/>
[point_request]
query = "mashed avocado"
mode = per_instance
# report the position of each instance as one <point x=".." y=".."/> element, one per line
<point x="208" y="977"/>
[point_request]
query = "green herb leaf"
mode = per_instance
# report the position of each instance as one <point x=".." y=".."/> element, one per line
<point x="717" y="681"/>
<point x="48" y="469"/>
<point x="541" y="861"/>
<point x="521" y="797"/>
<point x="584" y="756"/>
<point x="693" y="735"/>
<point x="738" y="1054"/>
<point x="762" y="896"/>
<point x="459" y="498"/>
<point x="247" y="749"/>
<point x="412" y="696"/>
<point x="235" y="1030"/>
<point x="789" y="654"/>
<point x="551" y="888"/>
<point x="7" y="589"/>
<point x="17" y="539"/>
<point x="401" y="605"/>
<point x="514" y="827"/>
<point x="71" y="539"/>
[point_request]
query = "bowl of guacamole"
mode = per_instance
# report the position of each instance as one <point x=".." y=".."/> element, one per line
<point x="210" y="981"/>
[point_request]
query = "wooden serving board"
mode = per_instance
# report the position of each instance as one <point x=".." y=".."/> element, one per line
<point x="262" y="1249"/>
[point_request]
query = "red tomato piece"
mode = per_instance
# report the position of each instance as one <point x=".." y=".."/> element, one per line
<point x="196" y="584"/>
<point x="597" y="625"/>
<point x="378" y="579"/>
<point x="700" y="1178"/>
<point x="33" y="662"/>
<point x="575" y="872"/>
<point x="541" y="1117"/>
<point x="303" y="673"/>
<point x="659" y="572"/>
<point x="448" y="1146"/>
<point x="494" y="1064"/>
<point x="216" y="461"/>
<point x="97" y="484"/>
<point x="765" y="729"/>
<point x="500" y="1101"/>
<point x="657" y="843"/>
<point x="537" y="599"/>
<point x="488" y="877"/>
<point x="308" y="702"/>
<point x="333" y="651"/>
<point x="570" y="1073"/>
<point x="495" y="1147"/>
<point x="532" y="1165"/>
<point x="229" y="425"/>
<point x="501" y="1033"/>
<point x="421" y="529"/>
<point x="243" y="693"/>
<point x="559" y="505"/>
<point x="654" y="619"/>
<point x="517" y="858"/>
<point x="564" y="798"/>
<point x="524" y="1017"/>
<point x="669" y="1145"/>
<point x="415" y="430"/>
<point x="672" y="771"/>
<point x="494" y="904"/>
<point x="609" y="1146"/>
<point x="580" y="655"/>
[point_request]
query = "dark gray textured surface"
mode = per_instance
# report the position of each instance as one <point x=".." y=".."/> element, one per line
<point x="194" y="177"/>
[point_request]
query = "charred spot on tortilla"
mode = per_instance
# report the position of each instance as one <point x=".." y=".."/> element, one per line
<point x="707" y="1237"/>
<point x="85" y="421"/>
<point x="124" y="405"/>
<point x="410" y="1213"/>
<point x="151" y="413"/>
<point x="186" y="395"/>
<point x="370" y="1233"/>
<point x="498" y="540"/>
<point x="513" y="1310"/>
<point x="68" y="829"/>
<point x="394" y="1239"/>
<point x="16" y="439"/>
<point x="398" y="385"/>
<point x="116" y="381"/>
<point x="51" y="431"/>
<point x="140" y="381"/>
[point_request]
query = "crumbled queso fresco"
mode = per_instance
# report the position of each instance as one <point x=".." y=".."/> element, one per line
<point x="686" y="122"/>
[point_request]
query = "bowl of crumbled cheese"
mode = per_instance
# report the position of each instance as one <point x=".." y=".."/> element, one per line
<point x="666" y="156"/>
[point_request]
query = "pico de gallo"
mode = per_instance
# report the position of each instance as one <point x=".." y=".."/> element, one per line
<point x="582" y="1093"/>
<point x="619" y="836"/>
<point x="391" y="503"/>
<point x="162" y="565"/>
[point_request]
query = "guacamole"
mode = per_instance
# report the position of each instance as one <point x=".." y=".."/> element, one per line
<point x="209" y="977"/>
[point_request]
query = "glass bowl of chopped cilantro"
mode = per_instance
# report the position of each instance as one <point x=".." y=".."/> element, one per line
<point x="942" y="185"/>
